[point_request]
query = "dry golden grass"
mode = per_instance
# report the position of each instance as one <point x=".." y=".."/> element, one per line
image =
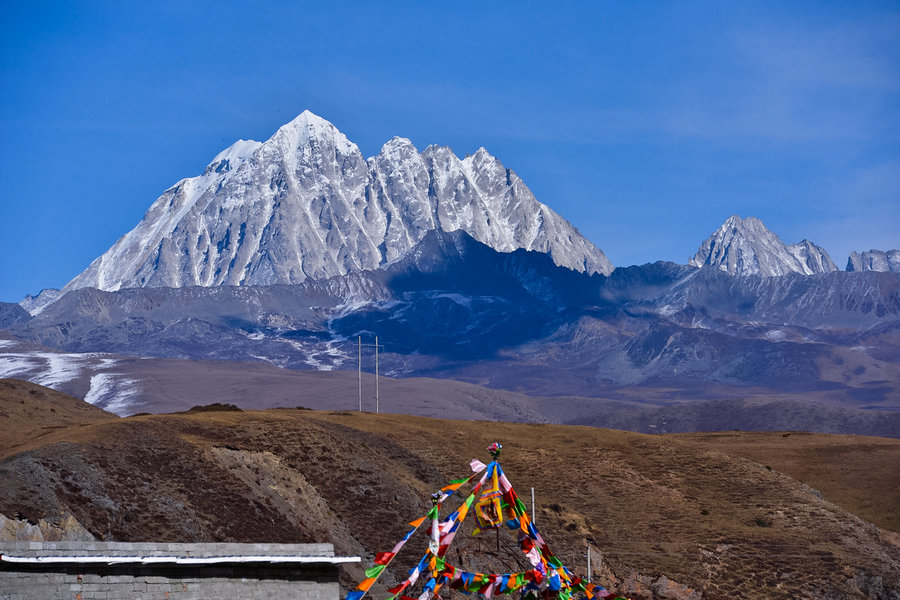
<point x="861" y="474"/>
<point x="29" y="413"/>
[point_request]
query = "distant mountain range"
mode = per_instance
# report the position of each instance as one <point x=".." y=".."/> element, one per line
<point x="290" y="250"/>
<point x="455" y="308"/>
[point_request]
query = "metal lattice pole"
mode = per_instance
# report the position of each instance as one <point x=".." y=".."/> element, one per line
<point x="376" y="374"/>
<point x="359" y="370"/>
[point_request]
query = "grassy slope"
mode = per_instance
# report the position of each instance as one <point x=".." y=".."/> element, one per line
<point x="29" y="412"/>
<point x="859" y="473"/>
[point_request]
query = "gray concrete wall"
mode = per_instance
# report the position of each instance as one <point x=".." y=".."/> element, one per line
<point x="69" y="548"/>
<point x="73" y="581"/>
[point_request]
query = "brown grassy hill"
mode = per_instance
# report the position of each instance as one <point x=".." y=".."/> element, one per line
<point x="862" y="474"/>
<point x="672" y="517"/>
<point x="28" y="412"/>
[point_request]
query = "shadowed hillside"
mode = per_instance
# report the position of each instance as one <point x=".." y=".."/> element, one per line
<point x="672" y="517"/>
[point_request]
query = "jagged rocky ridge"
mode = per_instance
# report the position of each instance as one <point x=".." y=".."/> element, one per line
<point x="875" y="260"/>
<point x="747" y="247"/>
<point x="306" y="204"/>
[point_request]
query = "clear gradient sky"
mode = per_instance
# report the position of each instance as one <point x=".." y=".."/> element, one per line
<point x="645" y="124"/>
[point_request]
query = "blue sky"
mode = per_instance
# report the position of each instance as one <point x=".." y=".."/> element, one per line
<point x="645" y="124"/>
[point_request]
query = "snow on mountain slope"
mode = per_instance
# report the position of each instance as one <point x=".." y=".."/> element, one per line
<point x="747" y="247"/>
<point x="812" y="258"/>
<point x="88" y="375"/>
<point x="875" y="260"/>
<point x="306" y="204"/>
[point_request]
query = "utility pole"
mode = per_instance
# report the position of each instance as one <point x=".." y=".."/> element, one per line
<point x="359" y="371"/>
<point x="376" y="374"/>
<point x="359" y="346"/>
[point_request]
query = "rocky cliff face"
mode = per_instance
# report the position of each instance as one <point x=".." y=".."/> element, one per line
<point x="875" y="260"/>
<point x="812" y="258"/>
<point x="747" y="247"/>
<point x="306" y="204"/>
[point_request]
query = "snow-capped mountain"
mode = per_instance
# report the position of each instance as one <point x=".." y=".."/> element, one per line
<point x="747" y="247"/>
<point x="306" y="204"/>
<point x="875" y="260"/>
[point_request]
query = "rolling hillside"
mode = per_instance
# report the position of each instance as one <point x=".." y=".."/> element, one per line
<point x="671" y="516"/>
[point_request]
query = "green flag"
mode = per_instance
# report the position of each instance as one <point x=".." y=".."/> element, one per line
<point x="374" y="571"/>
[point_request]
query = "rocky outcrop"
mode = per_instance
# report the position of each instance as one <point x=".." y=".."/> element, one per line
<point x="66" y="528"/>
<point x="875" y="260"/>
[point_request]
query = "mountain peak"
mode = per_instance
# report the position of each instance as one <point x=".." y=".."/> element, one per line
<point x="748" y="225"/>
<point x="307" y="118"/>
<point x="307" y="129"/>
<point x="747" y="247"/>
<point x="306" y="204"/>
<point x="398" y="148"/>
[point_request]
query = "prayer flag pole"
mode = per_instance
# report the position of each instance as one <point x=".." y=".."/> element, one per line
<point x="533" y="515"/>
<point x="589" y="563"/>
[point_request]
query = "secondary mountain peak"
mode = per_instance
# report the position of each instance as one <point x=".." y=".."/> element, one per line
<point x="874" y="260"/>
<point x="306" y="204"/>
<point x="231" y="157"/>
<point x="812" y="258"/>
<point x="747" y="247"/>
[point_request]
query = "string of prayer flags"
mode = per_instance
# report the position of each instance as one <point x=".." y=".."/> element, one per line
<point x="411" y="579"/>
<point x="492" y="505"/>
<point x="454" y="520"/>
<point x="382" y="560"/>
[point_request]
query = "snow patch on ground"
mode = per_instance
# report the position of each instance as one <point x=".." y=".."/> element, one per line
<point x="667" y="310"/>
<point x="327" y="359"/>
<point x="460" y="299"/>
<point x="112" y="392"/>
<point x="61" y="368"/>
<point x="43" y="368"/>
<point x="776" y="335"/>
